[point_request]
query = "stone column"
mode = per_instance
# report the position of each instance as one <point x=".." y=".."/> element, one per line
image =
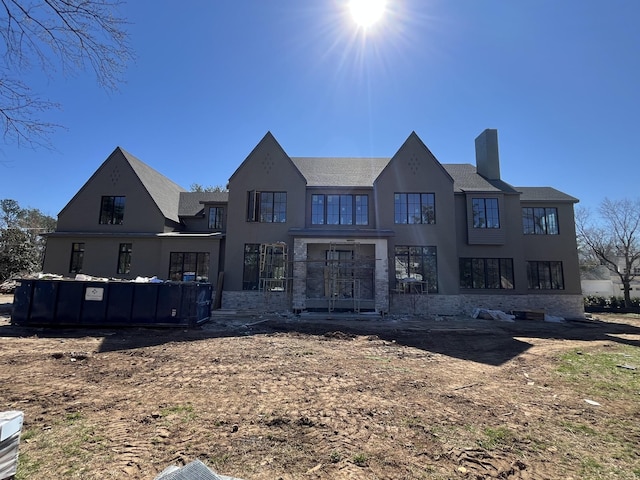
<point x="299" y="274"/>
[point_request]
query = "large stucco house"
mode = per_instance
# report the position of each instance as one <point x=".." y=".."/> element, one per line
<point x="405" y="234"/>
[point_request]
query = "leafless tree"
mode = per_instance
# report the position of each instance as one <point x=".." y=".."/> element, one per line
<point x="613" y="239"/>
<point x="51" y="36"/>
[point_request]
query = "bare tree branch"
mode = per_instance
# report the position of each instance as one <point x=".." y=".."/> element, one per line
<point x="52" y="35"/>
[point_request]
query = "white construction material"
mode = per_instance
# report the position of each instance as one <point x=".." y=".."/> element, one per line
<point x="10" y="427"/>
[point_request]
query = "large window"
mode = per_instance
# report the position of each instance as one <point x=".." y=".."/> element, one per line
<point x="411" y="208"/>
<point x="485" y="213"/>
<point x="215" y="218"/>
<point x="266" y="207"/>
<point x="486" y="273"/>
<point x="540" y="221"/>
<point x="189" y="266"/>
<point x="124" y="258"/>
<point x="77" y="258"/>
<point x="112" y="210"/>
<point x="545" y="275"/>
<point x="416" y="269"/>
<point x="339" y="209"/>
<point x="251" y="270"/>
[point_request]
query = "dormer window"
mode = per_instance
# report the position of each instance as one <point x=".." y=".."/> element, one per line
<point x="485" y="213"/>
<point x="112" y="211"/>
<point x="215" y="218"/>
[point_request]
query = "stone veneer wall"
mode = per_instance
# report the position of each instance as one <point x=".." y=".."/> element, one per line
<point x="258" y="301"/>
<point x="567" y="306"/>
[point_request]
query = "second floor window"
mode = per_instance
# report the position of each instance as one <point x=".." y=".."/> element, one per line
<point x="266" y="207"/>
<point x="339" y="209"/>
<point x="540" y="221"/>
<point x="215" y="218"/>
<point x="485" y="213"/>
<point x="112" y="210"/>
<point x="411" y="208"/>
<point x="124" y="258"/>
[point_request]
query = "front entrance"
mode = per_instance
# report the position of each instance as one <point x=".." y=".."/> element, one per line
<point x="340" y="277"/>
<point x="333" y="274"/>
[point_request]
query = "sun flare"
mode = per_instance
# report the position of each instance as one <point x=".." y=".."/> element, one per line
<point x="367" y="12"/>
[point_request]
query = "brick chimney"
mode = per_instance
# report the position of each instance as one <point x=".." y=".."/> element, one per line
<point x="487" y="161"/>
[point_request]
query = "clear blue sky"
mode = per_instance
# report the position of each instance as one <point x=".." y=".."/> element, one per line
<point x="560" y="80"/>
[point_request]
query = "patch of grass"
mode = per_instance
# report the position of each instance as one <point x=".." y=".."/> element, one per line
<point x="600" y="372"/>
<point x="335" y="457"/>
<point x="413" y="422"/>
<point x="578" y="428"/>
<point x="28" y="434"/>
<point x="218" y="461"/>
<point x="185" y="412"/>
<point x="28" y="467"/>
<point x="496" y="437"/>
<point x="73" y="417"/>
<point x="591" y="468"/>
<point x="304" y="353"/>
<point x="360" y="459"/>
<point x="377" y="358"/>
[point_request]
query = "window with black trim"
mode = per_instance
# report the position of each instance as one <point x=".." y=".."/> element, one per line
<point x="492" y="273"/>
<point x="416" y="269"/>
<point x="339" y="209"/>
<point x="124" y="258"/>
<point x="189" y="266"/>
<point x="540" y="221"/>
<point x="412" y="208"/>
<point x="545" y="275"/>
<point x="251" y="271"/>
<point x="77" y="258"/>
<point x="266" y="207"/>
<point x="112" y="210"/>
<point x="215" y="218"/>
<point x="485" y="213"/>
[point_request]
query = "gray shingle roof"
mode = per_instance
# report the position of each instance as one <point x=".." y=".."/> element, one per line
<point x="192" y="202"/>
<point x="466" y="179"/>
<point x="165" y="193"/>
<point x="362" y="172"/>
<point x="340" y="172"/>
<point x="544" y="194"/>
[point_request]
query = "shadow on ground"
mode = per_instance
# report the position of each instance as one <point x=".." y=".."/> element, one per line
<point x="483" y="341"/>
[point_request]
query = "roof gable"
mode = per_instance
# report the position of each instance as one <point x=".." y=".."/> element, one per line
<point x="268" y="143"/>
<point x="417" y="156"/>
<point x="164" y="192"/>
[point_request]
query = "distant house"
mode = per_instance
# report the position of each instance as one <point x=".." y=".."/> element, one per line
<point x="403" y="234"/>
<point x="601" y="282"/>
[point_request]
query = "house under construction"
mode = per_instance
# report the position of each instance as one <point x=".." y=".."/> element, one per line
<point x="395" y="234"/>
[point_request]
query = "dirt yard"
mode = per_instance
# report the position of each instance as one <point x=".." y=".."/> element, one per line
<point x="343" y="397"/>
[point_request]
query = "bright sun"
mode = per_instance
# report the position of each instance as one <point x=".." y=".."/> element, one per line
<point x="367" y="12"/>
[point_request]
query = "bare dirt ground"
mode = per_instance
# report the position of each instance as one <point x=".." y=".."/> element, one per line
<point x="342" y="397"/>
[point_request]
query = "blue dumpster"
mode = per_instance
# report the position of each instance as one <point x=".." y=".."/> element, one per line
<point x="93" y="303"/>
